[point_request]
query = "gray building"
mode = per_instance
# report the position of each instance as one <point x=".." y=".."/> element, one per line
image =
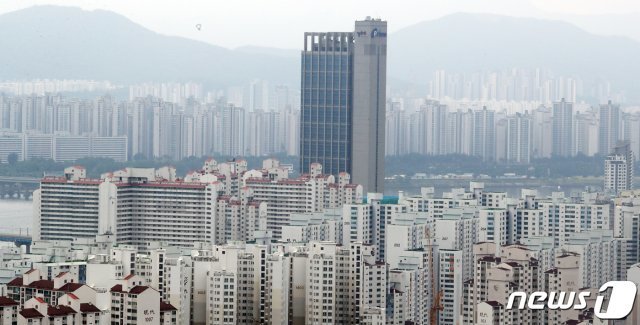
<point x="609" y="127"/>
<point x="563" y="129"/>
<point x="484" y="134"/>
<point x="343" y="102"/>
<point x="518" y="139"/>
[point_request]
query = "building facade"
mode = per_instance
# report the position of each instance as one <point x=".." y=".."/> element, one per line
<point x="343" y="102"/>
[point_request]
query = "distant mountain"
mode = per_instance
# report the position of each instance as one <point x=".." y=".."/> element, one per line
<point x="627" y="24"/>
<point x="65" y="42"/>
<point x="284" y="53"/>
<point x="473" y="42"/>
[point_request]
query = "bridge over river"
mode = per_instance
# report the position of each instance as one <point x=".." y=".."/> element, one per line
<point x="18" y="187"/>
<point x="18" y="236"/>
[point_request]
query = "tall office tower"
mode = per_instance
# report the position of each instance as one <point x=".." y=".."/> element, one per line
<point x="609" y="127"/>
<point x="618" y="169"/>
<point x="563" y="128"/>
<point x="343" y="102"/>
<point x="484" y="134"/>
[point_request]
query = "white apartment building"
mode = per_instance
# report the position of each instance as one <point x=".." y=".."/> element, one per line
<point x="317" y="226"/>
<point x="306" y="194"/>
<point x="66" y="207"/>
<point x="633" y="275"/>
<point x="222" y="296"/>
<point x="601" y="257"/>
<point x="563" y="278"/>
<point x="493" y="226"/>
<point x="342" y="283"/>
<point x="137" y="205"/>
<point x="486" y="295"/>
<point x="626" y="223"/>
<point x="619" y="168"/>
<point x="411" y="235"/>
<point x="458" y="230"/>
<point x="327" y="287"/>
<point x="451" y="285"/>
<point x="562" y="219"/>
<point x="368" y="280"/>
<point x="237" y="219"/>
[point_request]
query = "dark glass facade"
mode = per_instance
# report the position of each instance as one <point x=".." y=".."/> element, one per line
<point x="326" y="102"/>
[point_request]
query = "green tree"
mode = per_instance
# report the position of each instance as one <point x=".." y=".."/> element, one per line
<point x="139" y="156"/>
<point x="12" y="158"/>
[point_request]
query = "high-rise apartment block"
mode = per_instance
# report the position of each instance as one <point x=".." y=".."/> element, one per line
<point x="619" y="169"/>
<point x="220" y="203"/>
<point x="609" y="128"/>
<point x="484" y="134"/>
<point x="563" y="128"/>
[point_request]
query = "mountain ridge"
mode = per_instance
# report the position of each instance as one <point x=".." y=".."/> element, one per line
<point x="67" y="42"/>
<point x="71" y="43"/>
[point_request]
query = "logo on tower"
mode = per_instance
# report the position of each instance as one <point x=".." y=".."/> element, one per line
<point x="376" y="33"/>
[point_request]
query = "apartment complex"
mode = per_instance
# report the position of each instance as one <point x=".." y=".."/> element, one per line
<point x="220" y="203"/>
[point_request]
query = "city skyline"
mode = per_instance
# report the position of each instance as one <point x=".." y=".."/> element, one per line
<point x="474" y="168"/>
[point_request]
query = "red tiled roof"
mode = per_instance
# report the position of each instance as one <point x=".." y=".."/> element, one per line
<point x="176" y="184"/>
<point x="15" y="282"/>
<point x="70" y="287"/>
<point x="166" y="306"/>
<point x="61" y="274"/>
<point x="84" y="181"/>
<point x="116" y="288"/>
<point x="493" y="303"/>
<point x="40" y="300"/>
<point x="31" y="313"/>
<point x="42" y="284"/>
<point x="129" y="276"/>
<point x="5" y="301"/>
<point x="88" y="308"/>
<point x="138" y="290"/>
<point x="72" y="296"/>
<point x="60" y="311"/>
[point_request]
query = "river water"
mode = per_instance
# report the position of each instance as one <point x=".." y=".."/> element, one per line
<point x="15" y="215"/>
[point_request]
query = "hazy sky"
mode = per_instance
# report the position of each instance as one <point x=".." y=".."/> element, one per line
<point x="280" y="23"/>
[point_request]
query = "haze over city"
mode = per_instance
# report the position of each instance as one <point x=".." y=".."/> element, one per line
<point x="255" y="22"/>
<point x="453" y="162"/>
